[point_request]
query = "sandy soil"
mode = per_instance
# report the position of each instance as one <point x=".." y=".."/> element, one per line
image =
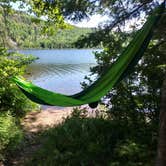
<point x="33" y="124"/>
<point x="41" y="120"/>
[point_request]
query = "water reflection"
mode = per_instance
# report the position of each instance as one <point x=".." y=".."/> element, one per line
<point x="60" y="71"/>
<point x="37" y="71"/>
<point x="62" y="78"/>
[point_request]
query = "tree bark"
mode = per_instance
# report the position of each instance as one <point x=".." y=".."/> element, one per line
<point x="161" y="154"/>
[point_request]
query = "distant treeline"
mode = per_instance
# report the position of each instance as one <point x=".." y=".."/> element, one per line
<point x="20" y="30"/>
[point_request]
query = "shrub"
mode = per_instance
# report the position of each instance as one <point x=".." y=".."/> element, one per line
<point x="13" y="104"/>
<point x="80" y="140"/>
<point x="11" y="98"/>
<point x="10" y="134"/>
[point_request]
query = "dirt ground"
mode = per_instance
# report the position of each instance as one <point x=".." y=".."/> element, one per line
<point x="41" y="120"/>
<point x="33" y="124"/>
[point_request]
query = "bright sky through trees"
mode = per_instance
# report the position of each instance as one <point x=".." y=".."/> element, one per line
<point x="91" y="22"/>
<point x="94" y="20"/>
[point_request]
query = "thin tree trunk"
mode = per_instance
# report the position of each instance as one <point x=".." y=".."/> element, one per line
<point x="161" y="154"/>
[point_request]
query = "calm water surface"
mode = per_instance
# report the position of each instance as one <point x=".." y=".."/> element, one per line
<point x="60" y="70"/>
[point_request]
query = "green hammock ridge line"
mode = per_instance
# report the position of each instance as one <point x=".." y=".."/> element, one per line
<point x="115" y="73"/>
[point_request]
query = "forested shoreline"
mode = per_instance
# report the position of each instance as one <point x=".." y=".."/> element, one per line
<point x="23" y="31"/>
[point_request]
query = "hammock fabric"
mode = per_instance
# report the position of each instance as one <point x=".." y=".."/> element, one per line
<point x="115" y="73"/>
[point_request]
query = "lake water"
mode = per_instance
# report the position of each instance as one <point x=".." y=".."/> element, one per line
<point x="60" y="71"/>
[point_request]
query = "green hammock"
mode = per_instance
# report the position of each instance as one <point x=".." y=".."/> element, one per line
<point x="115" y="73"/>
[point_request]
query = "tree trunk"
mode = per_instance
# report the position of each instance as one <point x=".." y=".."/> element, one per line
<point x="161" y="156"/>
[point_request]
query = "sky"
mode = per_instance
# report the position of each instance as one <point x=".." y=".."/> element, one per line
<point x="92" y="22"/>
